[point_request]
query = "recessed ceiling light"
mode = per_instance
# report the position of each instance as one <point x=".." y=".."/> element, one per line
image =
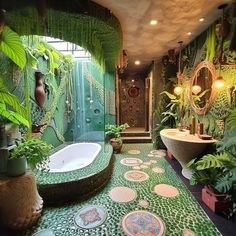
<point x="189" y="33"/>
<point x="137" y="62"/>
<point x="153" y="22"/>
<point x="201" y="19"/>
<point x="132" y="80"/>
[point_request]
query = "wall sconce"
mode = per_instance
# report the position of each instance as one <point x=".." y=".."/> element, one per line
<point x="219" y="83"/>
<point x="178" y="90"/>
<point x="196" y="89"/>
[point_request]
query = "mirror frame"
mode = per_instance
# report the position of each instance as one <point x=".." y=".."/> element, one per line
<point x="208" y="65"/>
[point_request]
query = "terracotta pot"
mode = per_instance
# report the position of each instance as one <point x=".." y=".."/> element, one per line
<point x="216" y="202"/>
<point x="116" y="144"/>
<point x="39" y="92"/>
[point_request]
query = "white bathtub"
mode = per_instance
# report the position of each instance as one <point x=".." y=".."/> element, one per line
<point x="73" y="157"/>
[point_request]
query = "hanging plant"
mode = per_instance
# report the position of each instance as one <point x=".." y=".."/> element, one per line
<point x="12" y="47"/>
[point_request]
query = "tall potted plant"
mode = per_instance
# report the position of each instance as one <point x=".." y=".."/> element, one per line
<point x="114" y="133"/>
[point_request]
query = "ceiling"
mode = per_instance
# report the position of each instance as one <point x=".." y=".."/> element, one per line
<point x="175" y="18"/>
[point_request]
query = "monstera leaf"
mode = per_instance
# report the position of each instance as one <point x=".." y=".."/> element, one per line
<point x="12" y="47"/>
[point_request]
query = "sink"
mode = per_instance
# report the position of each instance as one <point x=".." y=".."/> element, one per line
<point x="184" y="146"/>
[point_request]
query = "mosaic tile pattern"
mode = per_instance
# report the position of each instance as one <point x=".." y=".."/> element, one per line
<point x="100" y="163"/>
<point x="178" y="214"/>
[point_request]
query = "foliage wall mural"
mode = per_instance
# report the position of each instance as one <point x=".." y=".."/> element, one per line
<point x="84" y="23"/>
<point x="205" y="47"/>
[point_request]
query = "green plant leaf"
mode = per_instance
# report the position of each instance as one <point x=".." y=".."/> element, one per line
<point x="169" y="95"/>
<point x="12" y="47"/>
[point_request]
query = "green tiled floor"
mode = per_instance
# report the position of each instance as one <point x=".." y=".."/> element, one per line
<point x="179" y="213"/>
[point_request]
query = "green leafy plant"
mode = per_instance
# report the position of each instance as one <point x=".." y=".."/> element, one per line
<point x="11" y="46"/>
<point x="36" y="152"/>
<point x="172" y="112"/>
<point x="217" y="171"/>
<point x="113" y="131"/>
<point x="7" y="99"/>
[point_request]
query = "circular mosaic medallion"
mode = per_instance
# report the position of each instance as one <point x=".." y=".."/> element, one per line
<point x="166" y="190"/>
<point x="136" y="168"/>
<point x="122" y="194"/>
<point x="160" y="152"/>
<point x="90" y="216"/>
<point x="143" y="203"/>
<point x="143" y="166"/>
<point x="134" y="151"/>
<point x="136" y="176"/>
<point x="153" y="161"/>
<point x="158" y="170"/>
<point x="188" y="232"/>
<point x="131" y="161"/>
<point x="143" y="223"/>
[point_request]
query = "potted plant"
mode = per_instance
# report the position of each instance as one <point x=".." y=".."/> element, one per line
<point x="33" y="151"/>
<point x="113" y="132"/>
<point x="218" y="171"/>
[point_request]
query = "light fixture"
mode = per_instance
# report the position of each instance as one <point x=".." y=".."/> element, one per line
<point x="153" y="22"/>
<point x="132" y="80"/>
<point x="196" y="89"/>
<point x="137" y="62"/>
<point x="189" y="33"/>
<point x="219" y="83"/>
<point x="201" y="19"/>
<point x="178" y="90"/>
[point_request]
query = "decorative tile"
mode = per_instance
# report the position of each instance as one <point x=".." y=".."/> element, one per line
<point x="166" y="190"/>
<point x="160" y="152"/>
<point x="158" y="170"/>
<point x="136" y="176"/>
<point x="143" y="166"/>
<point x="188" y="232"/>
<point x="123" y="194"/>
<point x="131" y="161"/>
<point x="90" y="216"/>
<point x="143" y="203"/>
<point x="134" y="152"/>
<point x="143" y="223"/>
<point x="153" y="161"/>
<point x="136" y="168"/>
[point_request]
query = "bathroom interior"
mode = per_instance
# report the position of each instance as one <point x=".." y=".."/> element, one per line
<point x="158" y="77"/>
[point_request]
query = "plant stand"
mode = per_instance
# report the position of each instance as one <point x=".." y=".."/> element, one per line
<point x="116" y="144"/>
<point x="20" y="202"/>
<point x="216" y="202"/>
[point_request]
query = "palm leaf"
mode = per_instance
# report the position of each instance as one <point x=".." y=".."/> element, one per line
<point x="12" y="47"/>
<point x="169" y="95"/>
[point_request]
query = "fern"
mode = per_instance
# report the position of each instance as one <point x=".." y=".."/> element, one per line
<point x="231" y="120"/>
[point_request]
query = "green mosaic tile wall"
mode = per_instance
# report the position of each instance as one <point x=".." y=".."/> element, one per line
<point x="179" y="213"/>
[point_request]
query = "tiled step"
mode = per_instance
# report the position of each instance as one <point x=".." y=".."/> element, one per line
<point x="137" y="139"/>
<point x="135" y="134"/>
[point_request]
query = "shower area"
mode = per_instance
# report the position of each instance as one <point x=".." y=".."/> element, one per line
<point x="92" y="96"/>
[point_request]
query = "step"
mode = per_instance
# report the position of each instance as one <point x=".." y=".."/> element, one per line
<point x="137" y="139"/>
<point x="135" y="134"/>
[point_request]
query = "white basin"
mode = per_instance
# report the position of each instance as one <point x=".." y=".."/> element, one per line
<point x="184" y="146"/>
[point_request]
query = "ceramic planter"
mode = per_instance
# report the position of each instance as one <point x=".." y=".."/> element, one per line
<point x="216" y="202"/>
<point x="16" y="166"/>
<point x="116" y="144"/>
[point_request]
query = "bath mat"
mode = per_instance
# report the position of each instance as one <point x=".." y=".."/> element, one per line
<point x="188" y="232"/>
<point x="158" y="170"/>
<point x="134" y="151"/>
<point x="137" y="223"/>
<point x="166" y="190"/>
<point x="90" y="216"/>
<point x="123" y="194"/>
<point x="143" y="203"/>
<point x="131" y="161"/>
<point x="136" y="176"/>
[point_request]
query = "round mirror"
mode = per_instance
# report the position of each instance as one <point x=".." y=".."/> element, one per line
<point x="202" y="93"/>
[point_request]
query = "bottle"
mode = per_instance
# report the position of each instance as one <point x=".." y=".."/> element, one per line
<point x="193" y="125"/>
<point x="200" y="129"/>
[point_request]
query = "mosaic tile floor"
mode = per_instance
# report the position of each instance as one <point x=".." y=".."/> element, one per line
<point x="180" y="214"/>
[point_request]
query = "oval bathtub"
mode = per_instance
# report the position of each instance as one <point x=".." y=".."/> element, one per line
<point x="73" y="157"/>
